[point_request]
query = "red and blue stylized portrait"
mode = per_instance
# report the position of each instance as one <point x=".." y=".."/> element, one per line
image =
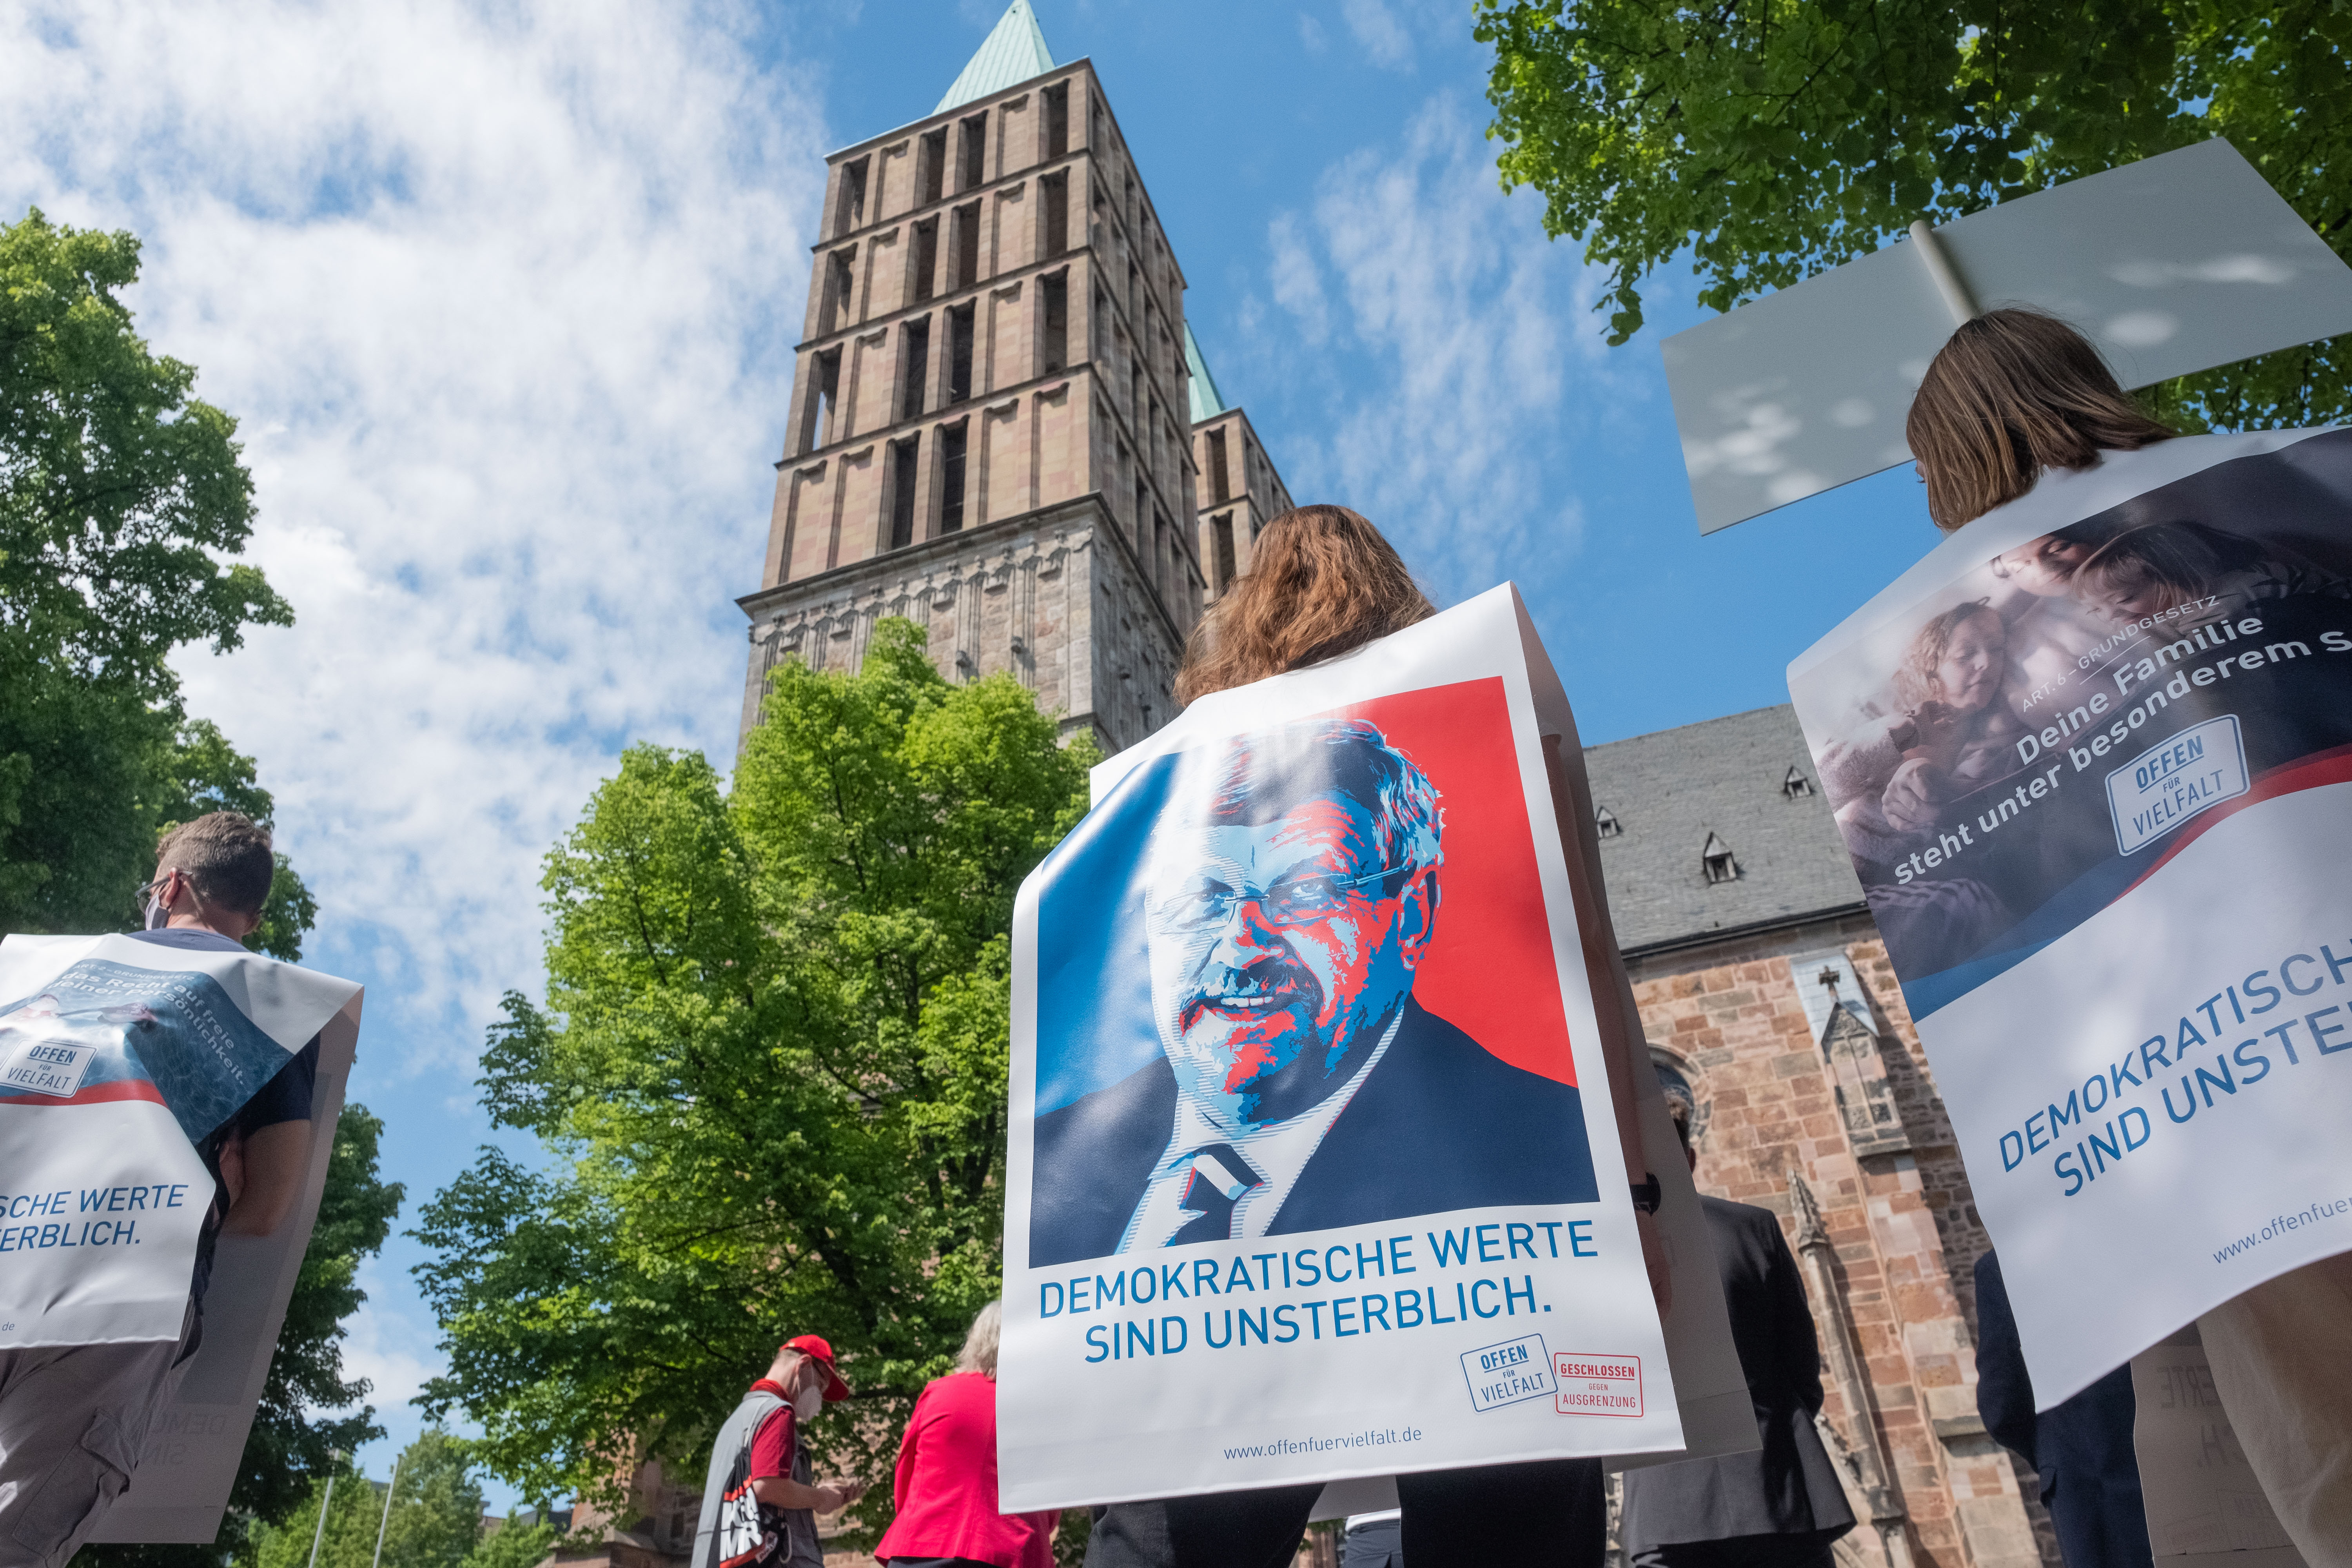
<point x="1300" y="979"/>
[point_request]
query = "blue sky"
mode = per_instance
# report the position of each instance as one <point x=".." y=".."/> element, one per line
<point x="505" y="298"/>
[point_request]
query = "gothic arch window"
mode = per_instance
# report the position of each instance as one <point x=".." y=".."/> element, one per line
<point x="1606" y="824"/>
<point x="1796" y="784"/>
<point x="1715" y="860"/>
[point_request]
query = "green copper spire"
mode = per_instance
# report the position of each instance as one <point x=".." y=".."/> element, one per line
<point x="1013" y="51"/>
<point x="1207" y="401"/>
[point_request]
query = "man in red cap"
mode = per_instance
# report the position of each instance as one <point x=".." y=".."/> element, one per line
<point x="761" y="1503"/>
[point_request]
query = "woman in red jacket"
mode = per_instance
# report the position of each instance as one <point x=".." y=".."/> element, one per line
<point x="946" y="1485"/>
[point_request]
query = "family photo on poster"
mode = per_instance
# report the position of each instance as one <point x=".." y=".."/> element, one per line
<point x="2121" y="700"/>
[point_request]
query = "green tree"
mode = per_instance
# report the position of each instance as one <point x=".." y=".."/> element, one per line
<point x="1777" y="138"/>
<point x="433" y="1519"/>
<point x="772" y="1070"/>
<point x="436" y="1505"/>
<point x="120" y="495"/>
<point x="353" y="1510"/>
<point x="287" y="1452"/>
<point x="119" y="490"/>
<point x="517" y="1543"/>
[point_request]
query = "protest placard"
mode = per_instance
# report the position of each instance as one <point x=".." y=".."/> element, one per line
<point x="2205" y="1505"/>
<point x="2093" y="759"/>
<point x="1314" y="1173"/>
<point x="120" y="1060"/>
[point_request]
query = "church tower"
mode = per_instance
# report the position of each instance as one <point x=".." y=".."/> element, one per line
<point x="999" y="418"/>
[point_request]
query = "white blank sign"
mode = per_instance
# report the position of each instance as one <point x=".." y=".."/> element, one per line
<point x="2171" y="265"/>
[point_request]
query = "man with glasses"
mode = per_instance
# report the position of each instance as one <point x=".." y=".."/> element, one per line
<point x="1293" y="892"/>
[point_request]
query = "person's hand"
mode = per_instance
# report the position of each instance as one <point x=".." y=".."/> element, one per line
<point x="1915" y="796"/>
<point x="232" y="1167"/>
<point x="845" y="1492"/>
<point x="1653" y="1258"/>
<point x="1933" y="728"/>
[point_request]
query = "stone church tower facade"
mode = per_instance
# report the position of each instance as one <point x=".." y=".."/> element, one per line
<point x="999" y="418"/>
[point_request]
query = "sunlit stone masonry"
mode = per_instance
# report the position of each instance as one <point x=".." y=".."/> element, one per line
<point x="1000" y="423"/>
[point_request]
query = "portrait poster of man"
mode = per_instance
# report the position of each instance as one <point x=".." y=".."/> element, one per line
<point x="2093" y="760"/>
<point x="119" y="1061"/>
<point x="1304" y="1052"/>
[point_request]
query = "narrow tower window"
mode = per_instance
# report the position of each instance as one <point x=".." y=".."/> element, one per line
<point x="933" y="170"/>
<point x="1221" y="486"/>
<point x="951" y="443"/>
<point x="1222" y="526"/>
<point x="902" y="492"/>
<point x="1056" y="351"/>
<point x="838" y="281"/>
<point x="927" y="259"/>
<point x="971" y="153"/>
<point x="1058" y="215"/>
<point x="1058" y="120"/>
<point x="825" y="369"/>
<point x="967" y="245"/>
<point x="959" y="327"/>
<point x="915" y="346"/>
<point x="852" y="197"/>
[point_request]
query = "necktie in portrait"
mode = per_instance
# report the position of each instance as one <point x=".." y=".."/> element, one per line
<point x="1220" y="1176"/>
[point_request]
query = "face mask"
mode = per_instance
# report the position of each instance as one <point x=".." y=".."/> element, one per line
<point x="157" y="915"/>
<point x="809" y="1404"/>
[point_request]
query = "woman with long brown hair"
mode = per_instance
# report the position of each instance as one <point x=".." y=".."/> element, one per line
<point x="1322" y="582"/>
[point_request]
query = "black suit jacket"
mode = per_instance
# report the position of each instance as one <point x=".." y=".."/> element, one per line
<point x="2090" y="1472"/>
<point x="1787" y="1487"/>
<point x="1441" y="1124"/>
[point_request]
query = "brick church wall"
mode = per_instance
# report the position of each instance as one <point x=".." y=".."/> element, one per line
<point x="1731" y="1020"/>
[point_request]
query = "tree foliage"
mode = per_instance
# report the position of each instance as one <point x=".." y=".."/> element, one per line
<point x="118" y="489"/>
<point x="1777" y="138"/>
<point x="119" y="494"/>
<point x="772" y="1068"/>
<point x="288" y="1453"/>
<point x="433" y="1518"/>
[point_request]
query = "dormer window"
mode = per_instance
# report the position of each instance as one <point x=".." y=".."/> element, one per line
<point x="1796" y="784"/>
<point x="1606" y="825"/>
<point x="1717" y="861"/>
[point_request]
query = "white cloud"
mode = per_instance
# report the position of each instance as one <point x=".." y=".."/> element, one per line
<point x="1378" y="32"/>
<point x="1311" y="33"/>
<point x="1296" y="283"/>
<point x="1475" y="353"/>
<point x="504" y="299"/>
<point x="392" y="1352"/>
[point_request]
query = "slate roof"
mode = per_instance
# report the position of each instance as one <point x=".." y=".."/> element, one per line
<point x="1670" y="789"/>
<point x="1013" y="51"/>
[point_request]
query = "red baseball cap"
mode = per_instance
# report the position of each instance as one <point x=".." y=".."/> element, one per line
<point x="819" y="1351"/>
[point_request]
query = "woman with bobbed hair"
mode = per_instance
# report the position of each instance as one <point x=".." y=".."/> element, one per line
<point x="945" y="1487"/>
<point x="1322" y="582"/>
<point x="2013" y="395"/>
